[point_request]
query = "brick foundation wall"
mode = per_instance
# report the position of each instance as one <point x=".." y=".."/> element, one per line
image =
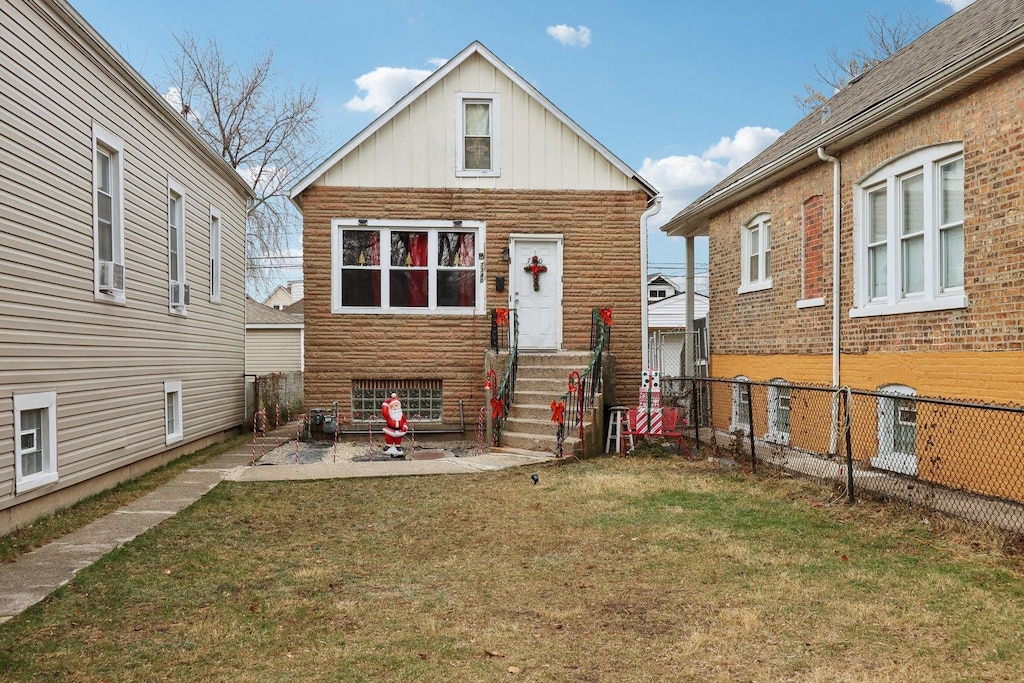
<point x="601" y="261"/>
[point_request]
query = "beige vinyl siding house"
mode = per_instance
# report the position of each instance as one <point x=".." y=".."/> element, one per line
<point x="273" y="340"/>
<point x="109" y="205"/>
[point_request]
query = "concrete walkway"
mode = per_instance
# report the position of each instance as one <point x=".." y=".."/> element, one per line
<point x="35" y="575"/>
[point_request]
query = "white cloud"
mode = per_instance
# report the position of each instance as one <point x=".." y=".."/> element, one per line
<point x="684" y="178"/>
<point x="437" y="62"/>
<point x="567" y="35"/>
<point x="747" y="143"/>
<point x="384" y="86"/>
<point x="955" y="5"/>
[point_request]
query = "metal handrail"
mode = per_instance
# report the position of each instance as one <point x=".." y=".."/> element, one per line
<point x="583" y="387"/>
<point x="507" y="390"/>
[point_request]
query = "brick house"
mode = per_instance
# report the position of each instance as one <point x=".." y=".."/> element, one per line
<point x="464" y="180"/>
<point x="877" y="244"/>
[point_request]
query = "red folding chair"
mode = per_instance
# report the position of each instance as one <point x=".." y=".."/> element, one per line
<point x="672" y="426"/>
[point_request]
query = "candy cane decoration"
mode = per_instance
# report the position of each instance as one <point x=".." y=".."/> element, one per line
<point x="412" y="429"/>
<point x="369" y="428"/>
<point x="334" y="455"/>
<point x="277" y="424"/>
<point x="299" y="425"/>
<point x="481" y="429"/>
<point x="255" y="415"/>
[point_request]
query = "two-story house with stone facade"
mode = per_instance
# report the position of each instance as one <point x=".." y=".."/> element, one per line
<point x="431" y="217"/>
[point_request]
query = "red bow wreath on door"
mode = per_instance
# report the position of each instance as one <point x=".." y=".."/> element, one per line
<point x="536" y="267"/>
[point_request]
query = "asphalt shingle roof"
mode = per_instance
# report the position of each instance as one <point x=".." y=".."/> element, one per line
<point x="983" y="28"/>
<point x="258" y="314"/>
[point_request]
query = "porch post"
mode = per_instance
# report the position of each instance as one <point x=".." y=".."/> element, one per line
<point x="690" y="346"/>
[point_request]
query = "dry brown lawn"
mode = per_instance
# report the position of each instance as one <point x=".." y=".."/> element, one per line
<point x="639" y="569"/>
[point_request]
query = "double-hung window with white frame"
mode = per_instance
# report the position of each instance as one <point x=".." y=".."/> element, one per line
<point x="173" y="428"/>
<point x="407" y="266"/>
<point x="756" y="252"/>
<point x="477" y="135"/>
<point x="214" y="255"/>
<point x="35" y="440"/>
<point x="177" y="288"/>
<point x="108" y="214"/>
<point x="909" y="227"/>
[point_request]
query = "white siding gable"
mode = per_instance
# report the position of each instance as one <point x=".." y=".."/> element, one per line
<point x="414" y="144"/>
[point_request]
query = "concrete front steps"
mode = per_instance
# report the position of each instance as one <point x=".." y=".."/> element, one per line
<point x="542" y="378"/>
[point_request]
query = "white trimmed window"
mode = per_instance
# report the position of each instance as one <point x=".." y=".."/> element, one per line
<point x="173" y="428"/>
<point x="407" y="266"/>
<point x="177" y="289"/>
<point x="35" y="440"/>
<point x="108" y="214"/>
<point x="740" y="404"/>
<point x="756" y="249"/>
<point x="897" y="430"/>
<point x="477" y="148"/>
<point x="909" y="222"/>
<point x="779" y="399"/>
<point x="214" y="255"/>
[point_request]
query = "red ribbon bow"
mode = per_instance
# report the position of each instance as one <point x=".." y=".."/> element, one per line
<point x="557" y="408"/>
<point x="497" y="408"/>
<point x="606" y="316"/>
<point x="502" y="315"/>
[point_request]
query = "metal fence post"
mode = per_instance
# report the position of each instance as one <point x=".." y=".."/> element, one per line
<point x="695" y="411"/>
<point x="750" y="428"/>
<point x="847" y="428"/>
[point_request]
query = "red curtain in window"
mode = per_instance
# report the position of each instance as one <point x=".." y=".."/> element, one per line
<point x="375" y="260"/>
<point x="418" y="286"/>
<point x="467" y="290"/>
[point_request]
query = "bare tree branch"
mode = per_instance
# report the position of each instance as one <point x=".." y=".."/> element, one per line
<point x="264" y="129"/>
<point x="887" y="35"/>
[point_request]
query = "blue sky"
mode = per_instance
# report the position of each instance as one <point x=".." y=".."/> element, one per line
<point x="683" y="91"/>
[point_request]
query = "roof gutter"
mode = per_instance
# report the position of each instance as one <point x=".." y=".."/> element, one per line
<point x="854" y="128"/>
<point x="652" y="209"/>
<point x="836" y="223"/>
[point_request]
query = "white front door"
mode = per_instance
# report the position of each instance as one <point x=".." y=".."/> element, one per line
<point x="536" y="279"/>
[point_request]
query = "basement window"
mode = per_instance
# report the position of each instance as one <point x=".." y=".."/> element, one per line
<point x="35" y="440"/>
<point x="421" y="398"/>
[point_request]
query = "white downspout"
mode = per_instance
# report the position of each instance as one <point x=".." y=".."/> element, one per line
<point x="653" y="209"/>
<point x="836" y="223"/>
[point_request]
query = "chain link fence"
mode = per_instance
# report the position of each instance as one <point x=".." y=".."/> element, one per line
<point x="960" y="458"/>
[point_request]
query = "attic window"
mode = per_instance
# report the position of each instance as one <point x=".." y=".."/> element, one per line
<point x="478" y="137"/>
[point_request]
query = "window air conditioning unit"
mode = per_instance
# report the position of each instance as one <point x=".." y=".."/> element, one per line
<point x="111" y="277"/>
<point x="179" y="294"/>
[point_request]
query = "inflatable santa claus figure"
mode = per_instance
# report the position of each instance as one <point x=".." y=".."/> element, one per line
<point x="395" y="426"/>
